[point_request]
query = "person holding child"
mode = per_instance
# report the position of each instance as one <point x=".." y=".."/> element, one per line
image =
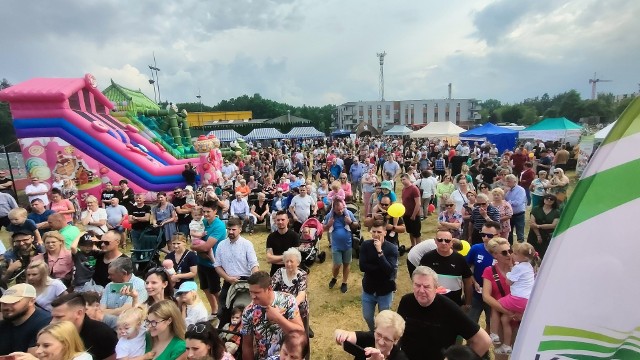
<point x="183" y="261"/>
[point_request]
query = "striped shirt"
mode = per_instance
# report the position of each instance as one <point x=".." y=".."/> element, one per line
<point x="478" y="220"/>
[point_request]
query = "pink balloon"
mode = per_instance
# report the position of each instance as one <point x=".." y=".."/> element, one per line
<point x="104" y="170"/>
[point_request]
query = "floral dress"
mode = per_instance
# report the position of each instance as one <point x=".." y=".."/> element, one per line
<point x="456" y="217"/>
<point x="267" y="336"/>
<point x="281" y="282"/>
<point x="505" y="210"/>
<point x="72" y="195"/>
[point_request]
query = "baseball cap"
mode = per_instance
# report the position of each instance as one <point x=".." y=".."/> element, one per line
<point x="187" y="286"/>
<point x="22" y="232"/>
<point x="17" y="293"/>
<point x="188" y="188"/>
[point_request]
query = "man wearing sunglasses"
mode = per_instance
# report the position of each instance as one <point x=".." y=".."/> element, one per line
<point x="19" y="256"/>
<point x="452" y="268"/>
<point x="109" y="251"/>
<point x="479" y="258"/>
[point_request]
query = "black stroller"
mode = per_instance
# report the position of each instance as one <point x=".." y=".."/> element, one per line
<point x="146" y="251"/>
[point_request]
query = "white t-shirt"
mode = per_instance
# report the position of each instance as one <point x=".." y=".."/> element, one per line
<point x="131" y="347"/>
<point x="522" y="276"/>
<point x="41" y="187"/>
<point x="302" y="206"/>
<point x="428" y="186"/>
<point x="459" y="199"/>
<point x="55" y="288"/>
<point x="100" y="214"/>
<point x="83" y="356"/>
<point x="417" y="252"/>
<point x="196" y="313"/>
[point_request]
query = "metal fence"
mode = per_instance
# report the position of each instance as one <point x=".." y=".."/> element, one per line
<point x="17" y="164"/>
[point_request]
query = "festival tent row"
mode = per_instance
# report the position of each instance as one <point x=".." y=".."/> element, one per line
<point x="439" y="130"/>
<point x="553" y="129"/>
<point x="304" y="132"/>
<point x="504" y="139"/>
<point x="264" y="134"/>
<point x="398" y="130"/>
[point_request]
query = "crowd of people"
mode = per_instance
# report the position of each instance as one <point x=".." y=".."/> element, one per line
<point x="72" y="290"/>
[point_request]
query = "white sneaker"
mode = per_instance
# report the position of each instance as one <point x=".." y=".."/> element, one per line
<point x="495" y="338"/>
<point x="503" y="350"/>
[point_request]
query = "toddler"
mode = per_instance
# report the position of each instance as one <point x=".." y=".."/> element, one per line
<point x="84" y="255"/>
<point x="520" y="280"/>
<point x="232" y="341"/>
<point x="196" y="229"/>
<point x="190" y="197"/>
<point x="167" y="264"/>
<point x="19" y="222"/>
<point x="131" y="333"/>
<point x="192" y="308"/>
<point x="336" y="193"/>
<point x="306" y="238"/>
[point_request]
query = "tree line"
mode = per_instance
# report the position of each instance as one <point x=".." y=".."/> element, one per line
<point x="568" y="104"/>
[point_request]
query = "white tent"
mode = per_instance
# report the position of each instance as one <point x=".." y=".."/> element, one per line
<point x="398" y="130"/>
<point x="600" y="135"/>
<point x="440" y="130"/>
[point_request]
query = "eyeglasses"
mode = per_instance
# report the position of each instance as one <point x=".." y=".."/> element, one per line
<point x="197" y="328"/>
<point x="490" y="236"/>
<point x="506" y="252"/>
<point x="482" y="187"/>
<point x="548" y="199"/>
<point x="481" y="204"/>
<point x="445" y="240"/>
<point x="18" y="241"/>
<point x="450" y="205"/>
<point x="385" y="205"/>
<point x="103" y="243"/>
<point x="384" y="339"/>
<point x="153" y="323"/>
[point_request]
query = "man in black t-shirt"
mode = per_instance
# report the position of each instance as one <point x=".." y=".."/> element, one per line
<point x="393" y="225"/>
<point x="22" y="320"/>
<point x="189" y="175"/>
<point x="140" y="218"/>
<point x="6" y="185"/>
<point x="280" y="241"/>
<point x="107" y="194"/>
<point x="432" y="316"/>
<point x="456" y="274"/>
<point x="98" y="338"/>
<point x="179" y="201"/>
<point x="109" y="251"/>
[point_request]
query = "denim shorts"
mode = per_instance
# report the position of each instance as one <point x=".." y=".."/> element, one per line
<point x="342" y="256"/>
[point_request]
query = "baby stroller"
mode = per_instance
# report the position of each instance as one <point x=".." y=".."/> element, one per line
<point x="146" y="251"/>
<point x="356" y="236"/>
<point x="309" y="247"/>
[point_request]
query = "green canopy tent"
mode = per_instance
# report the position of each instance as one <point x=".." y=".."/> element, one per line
<point x="553" y="129"/>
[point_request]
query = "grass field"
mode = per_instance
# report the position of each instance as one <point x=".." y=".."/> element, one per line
<point x="329" y="308"/>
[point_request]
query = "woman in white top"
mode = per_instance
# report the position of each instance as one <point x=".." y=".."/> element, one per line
<point x="459" y="196"/>
<point x="47" y="289"/>
<point x="94" y="218"/>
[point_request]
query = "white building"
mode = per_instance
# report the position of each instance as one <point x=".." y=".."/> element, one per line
<point x="412" y="113"/>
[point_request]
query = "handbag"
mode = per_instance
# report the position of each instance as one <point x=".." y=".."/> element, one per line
<point x="496" y="277"/>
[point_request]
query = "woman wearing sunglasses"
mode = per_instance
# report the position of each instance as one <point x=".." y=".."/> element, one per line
<point x="203" y="342"/>
<point x="166" y="328"/>
<point x="494" y="281"/>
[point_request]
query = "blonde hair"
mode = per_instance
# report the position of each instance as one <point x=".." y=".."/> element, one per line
<point x="179" y="237"/>
<point x="494" y="243"/>
<point x="53" y="234"/>
<point x="391" y="319"/>
<point x="336" y="186"/>
<point x="18" y="213"/>
<point x="134" y="315"/>
<point x="167" y="309"/>
<point x="67" y="334"/>
<point x="91" y="198"/>
<point x="525" y="249"/>
<point x="498" y="191"/>
<point x="196" y="211"/>
<point x="43" y="269"/>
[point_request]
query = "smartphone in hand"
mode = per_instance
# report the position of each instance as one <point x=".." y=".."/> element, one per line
<point x="353" y="349"/>
<point x="116" y="288"/>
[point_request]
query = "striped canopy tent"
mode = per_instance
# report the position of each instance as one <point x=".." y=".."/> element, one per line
<point x="264" y="134"/>
<point x="304" y="132"/>
<point x="226" y="135"/>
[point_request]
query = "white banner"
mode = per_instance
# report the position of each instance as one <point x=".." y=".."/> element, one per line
<point x="586" y="149"/>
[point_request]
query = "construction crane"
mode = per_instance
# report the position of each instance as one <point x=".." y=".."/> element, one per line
<point x="593" y="83"/>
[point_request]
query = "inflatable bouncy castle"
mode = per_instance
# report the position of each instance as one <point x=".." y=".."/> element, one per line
<point x="66" y="128"/>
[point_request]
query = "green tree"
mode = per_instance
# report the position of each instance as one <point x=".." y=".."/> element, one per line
<point x="7" y="132"/>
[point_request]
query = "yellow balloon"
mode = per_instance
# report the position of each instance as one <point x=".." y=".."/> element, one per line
<point x="465" y="247"/>
<point x="396" y="210"/>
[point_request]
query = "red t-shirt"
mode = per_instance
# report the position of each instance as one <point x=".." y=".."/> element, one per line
<point x="495" y="292"/>
<point x="409" y="195"/>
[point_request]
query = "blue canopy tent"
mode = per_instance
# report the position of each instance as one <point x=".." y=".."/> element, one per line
<point x="504" y="139"/>
<point x="304" y="132"/>
<point x="264" y="134"/>
<point x="341" y="133"/>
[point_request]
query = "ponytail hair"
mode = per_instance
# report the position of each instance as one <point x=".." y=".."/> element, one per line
<point x="527" y="250"/>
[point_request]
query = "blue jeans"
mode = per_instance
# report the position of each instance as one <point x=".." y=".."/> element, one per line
<point x="517" y="224"/>
<point x="477" y="307"/>
<point x="369" y="302"/>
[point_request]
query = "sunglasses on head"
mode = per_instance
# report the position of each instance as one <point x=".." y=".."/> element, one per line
<point x="197" y="328"/>
<point x="442" y="239"/>
<point x="450" y="205"/>
<point x="506" y="252"/>
<point x="490" y="236"/>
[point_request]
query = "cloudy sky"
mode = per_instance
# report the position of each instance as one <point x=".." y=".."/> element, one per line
<point x="319" y="52"/>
